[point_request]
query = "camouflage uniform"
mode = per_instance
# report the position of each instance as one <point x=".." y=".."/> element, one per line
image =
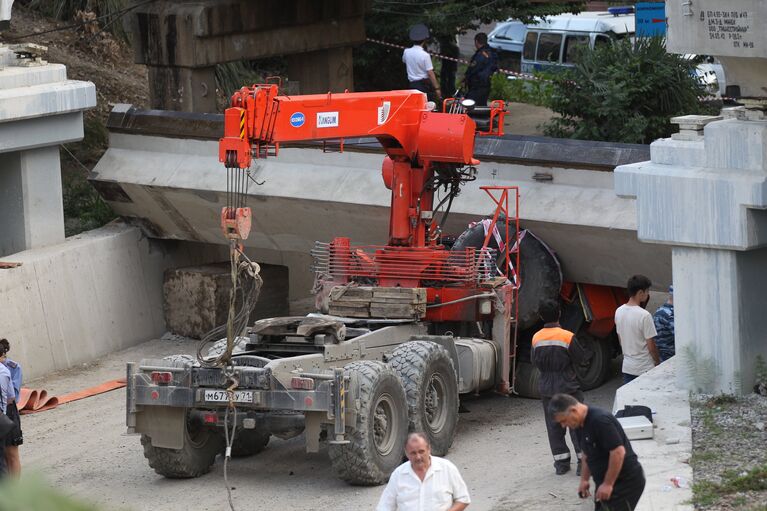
<point x="664" y="325"/>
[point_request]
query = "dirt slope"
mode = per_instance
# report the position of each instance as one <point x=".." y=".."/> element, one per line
<point x="89" y="54"/>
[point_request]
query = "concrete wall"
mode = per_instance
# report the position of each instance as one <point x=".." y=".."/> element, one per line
<point x="98" y="292"/>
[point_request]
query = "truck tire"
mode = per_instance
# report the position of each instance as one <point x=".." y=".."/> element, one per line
<point x="431" y="386"/>
<point x="526" y="380"/>
<point x="377" y="440"/>
<point x="201" y="445"/>
<point x="594" y="372"/>
<point x="248" y="442"/>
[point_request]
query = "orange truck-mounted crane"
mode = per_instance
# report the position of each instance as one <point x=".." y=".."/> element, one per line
<point x="402" y="330"/>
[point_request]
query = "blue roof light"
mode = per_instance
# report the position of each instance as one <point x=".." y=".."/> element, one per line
<point x="616" y="11"/>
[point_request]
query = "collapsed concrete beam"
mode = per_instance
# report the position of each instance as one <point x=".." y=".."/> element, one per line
<point x="174" y="187"/>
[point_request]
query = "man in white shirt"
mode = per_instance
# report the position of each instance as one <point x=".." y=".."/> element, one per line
<point x="420" y="72"/>
<point x="636" y="330"/>
<point x="424" y="483"/>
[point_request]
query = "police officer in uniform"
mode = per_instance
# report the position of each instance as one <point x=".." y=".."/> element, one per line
<point x="420" y="71"/>
<point x="555" y="352"/>
<point x="483" y="64"/>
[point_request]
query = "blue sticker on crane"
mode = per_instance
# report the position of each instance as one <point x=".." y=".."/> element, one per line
<point x="297" y="120"/>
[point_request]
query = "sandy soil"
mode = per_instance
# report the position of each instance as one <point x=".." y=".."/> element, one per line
<point x="82" y="449"/>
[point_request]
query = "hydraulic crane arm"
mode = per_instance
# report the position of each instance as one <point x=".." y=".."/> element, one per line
<point x="425" y="150"/>
<point x="259" y="119"/>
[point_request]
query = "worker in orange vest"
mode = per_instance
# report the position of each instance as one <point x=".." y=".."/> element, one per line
<point x="555" y="352"/>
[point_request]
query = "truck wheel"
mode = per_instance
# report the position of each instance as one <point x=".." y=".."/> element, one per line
<point x="377" y="440"/>
<point x="594" y="372"/>
<point x="201" y="445"/>
<point x="526" y="380"/>
<point x="428" y="375"/>
<point x="248" y="442"/>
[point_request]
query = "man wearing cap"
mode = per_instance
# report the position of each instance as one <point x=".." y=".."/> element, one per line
<point x="420" y="72"/>
<point x="482" y="66"/>
<point x="664" y="325"/>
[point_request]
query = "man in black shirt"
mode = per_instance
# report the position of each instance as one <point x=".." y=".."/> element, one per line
<point x="607" y="453"/>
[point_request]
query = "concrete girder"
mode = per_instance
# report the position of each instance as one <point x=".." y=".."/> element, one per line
<point x="182" y="41"/>
<point x="174" y="187"/>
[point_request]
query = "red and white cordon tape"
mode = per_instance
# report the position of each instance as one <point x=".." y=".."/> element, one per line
<point x="453" y="59"/>
<point x="514" y="73"/>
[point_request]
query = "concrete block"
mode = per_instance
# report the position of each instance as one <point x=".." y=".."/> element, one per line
<point x="735" y="144"/>
<point x="196" y="299"/>
<point x="688" y="135"/>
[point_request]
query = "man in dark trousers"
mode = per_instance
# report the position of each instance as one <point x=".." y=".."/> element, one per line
<point x="483" y="64"/>
<point x="554" y="353"/>
<point x="607" y="453"/>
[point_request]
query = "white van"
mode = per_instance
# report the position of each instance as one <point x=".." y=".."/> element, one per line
<point x="552" y="42"/>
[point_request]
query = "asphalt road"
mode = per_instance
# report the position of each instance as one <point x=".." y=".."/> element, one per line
<point x="81" y="448"/>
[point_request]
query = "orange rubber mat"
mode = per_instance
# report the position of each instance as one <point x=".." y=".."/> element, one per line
<point x="34" y="400"/>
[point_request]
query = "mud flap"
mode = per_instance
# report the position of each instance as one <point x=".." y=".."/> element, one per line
<point x="164" y="425"/>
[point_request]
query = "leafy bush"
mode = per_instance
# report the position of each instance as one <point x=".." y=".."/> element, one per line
<point x="625" y="92"/>
<point x="534" y="92"/>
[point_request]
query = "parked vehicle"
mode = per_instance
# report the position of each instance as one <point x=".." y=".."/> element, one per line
<point x="507" y="39"/>
<point x="553" y="42"/>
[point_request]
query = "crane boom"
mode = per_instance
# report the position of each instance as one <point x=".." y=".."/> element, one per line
<point x="425" y="149"/>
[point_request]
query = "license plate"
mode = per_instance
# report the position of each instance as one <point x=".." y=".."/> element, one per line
<point x="221" y="396"/>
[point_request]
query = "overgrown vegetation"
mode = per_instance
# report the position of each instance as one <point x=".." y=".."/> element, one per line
<point x="84" y="209"/>
<point x="625" y="92"/>
<point x="707" y="493"/>
<point x="535" y="92"/>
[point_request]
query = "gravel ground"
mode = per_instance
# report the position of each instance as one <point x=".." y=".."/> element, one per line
<point x="729" y="452"/>
<point x="81" y="448"/>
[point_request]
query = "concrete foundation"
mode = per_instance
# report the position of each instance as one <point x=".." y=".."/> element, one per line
<point x="98" y="292"/>
<point x="708" y="198"/>
<point x="39" y="109"/>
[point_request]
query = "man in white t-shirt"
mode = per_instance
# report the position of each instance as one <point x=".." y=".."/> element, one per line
<point x="636" y="330"/>
<point x="420" y="72"/>
<point x="424" y="482"/>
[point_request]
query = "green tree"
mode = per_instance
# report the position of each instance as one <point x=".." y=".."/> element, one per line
<point x="625" y="92"/>
<point x="378" y="67"/>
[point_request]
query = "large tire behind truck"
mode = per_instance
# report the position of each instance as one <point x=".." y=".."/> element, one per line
<point x="200" y="447"/>
<point x="248" y="442"/>
<point x="431" y="385"/>
<point x="377" y="440"/>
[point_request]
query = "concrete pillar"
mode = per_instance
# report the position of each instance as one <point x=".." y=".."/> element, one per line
<point x="322" y="71"/>
<point x="705" y="192"/>
<point x="187" y="89"/>
<point x="39" y="110"/>
<point x="30" y="200"/>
